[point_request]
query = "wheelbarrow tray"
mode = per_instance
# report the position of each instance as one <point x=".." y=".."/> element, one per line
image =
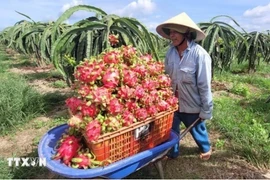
<point x="118" y="169"/>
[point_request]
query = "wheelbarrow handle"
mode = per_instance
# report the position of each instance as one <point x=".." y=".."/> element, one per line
<point x="188" y="129"/>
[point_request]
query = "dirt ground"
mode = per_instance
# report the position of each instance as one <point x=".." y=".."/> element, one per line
<point x="224" y="164"/>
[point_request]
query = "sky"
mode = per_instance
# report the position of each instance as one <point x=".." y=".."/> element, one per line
<point x="252" y="15"/>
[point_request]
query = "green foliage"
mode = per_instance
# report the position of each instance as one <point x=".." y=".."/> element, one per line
<point x="221" y="42"/>
<point x="59" y="84"/>
<point x="50" y="124"/>
<point x="54" y="99"/>
<point x="258" y="79"/>
<point x="3" y="57"/>
<point x="19" y="102"/>
<point x="240" y="89"/>
<point x="5" y="172"/>
<point x="243" y="122"/>
<point x="220" y="143"/>
<point x="258" y="48"/>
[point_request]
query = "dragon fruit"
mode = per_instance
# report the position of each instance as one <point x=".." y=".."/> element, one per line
<point x="116" y="89"/>
<point x="69" y="146"/>
<point x="112" y="57"/>
<point x="130" y="77"/>
<point x="75" y="121"/>
<point x="113" y="39"/>
<point x="141" y="114"/>
<point x="116" y="83"/>
<point x="85" y="161"/>
<point x="73" y="104"/>
<point x="113" y="90"/>
<point x="128" y="118"/>
<point x="89" y="111"/>
<point x="115" y="107"/>
<point x="111" y="78"/>
<point x="93" y="130"/>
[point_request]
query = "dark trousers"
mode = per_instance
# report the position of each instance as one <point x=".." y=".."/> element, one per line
<point x="198" y="132"/>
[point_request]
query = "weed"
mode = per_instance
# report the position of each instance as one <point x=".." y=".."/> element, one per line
<point x="59" y="84"/>
<point x="219" y="144"/>
<point x="240" y="89"/>
<point x="19" y="102"/>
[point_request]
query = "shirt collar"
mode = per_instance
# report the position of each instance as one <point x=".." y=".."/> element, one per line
<point x="189" y="44"/>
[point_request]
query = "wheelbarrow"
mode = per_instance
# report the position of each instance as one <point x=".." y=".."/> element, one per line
<point x="117" y="170"/>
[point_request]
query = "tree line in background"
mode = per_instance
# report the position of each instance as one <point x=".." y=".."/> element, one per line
<point x="65" y="46"/>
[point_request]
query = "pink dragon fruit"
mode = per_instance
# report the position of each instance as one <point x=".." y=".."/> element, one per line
<point x="147" y="100"/>
<point x="128" y="118"/>
<point x="113" y="39"/>
<point x="128" y="53"/>
<point x="146" y="58"/>
<point x="112" y="57"/>
<point x="163" y="105"/>
<point x="111" y="78"/>
<point x="89" y="111"/>
<point x="93" y="130"/>
<point x="141" y="114"/>
<point x="114" y="106"/>
<point x="164" y="80"/>
<point x="149" y="84"/>
<point x="125" y="92"/>
<point x="152" y="110"/>
<point x="131" y="105"/>
<point x="130" y="78"/>
<point x="69" y="146"/>
<point x="139" y="92"/>
<point x="100" y="95"/>
<point x="73" y="104"/>
<point x="84" y="90"/>
<point x="172" y="101"/>
<point x="141" y="69"/>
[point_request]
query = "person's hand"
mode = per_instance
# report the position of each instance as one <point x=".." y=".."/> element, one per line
<point x="202" y="119"/>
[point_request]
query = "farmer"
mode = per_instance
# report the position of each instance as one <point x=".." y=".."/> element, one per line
<point x="189" y="67"/>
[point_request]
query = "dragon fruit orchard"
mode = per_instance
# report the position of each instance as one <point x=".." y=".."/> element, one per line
<point x="116" y="89"/>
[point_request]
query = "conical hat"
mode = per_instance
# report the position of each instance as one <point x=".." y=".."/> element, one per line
<point x="180" y="23"/>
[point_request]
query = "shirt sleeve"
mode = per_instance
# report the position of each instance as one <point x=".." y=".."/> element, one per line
<point x="204" y="85"/>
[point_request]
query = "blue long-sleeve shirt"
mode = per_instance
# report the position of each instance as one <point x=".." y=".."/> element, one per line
<point x="192" y="77"/>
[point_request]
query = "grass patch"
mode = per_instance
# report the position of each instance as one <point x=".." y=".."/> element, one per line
<point x="240" y="89"/>
<point x="34" y="76"/>
<point x="50" y="124"/>
<point x="245" y="121"/>
<point x="3" y="57"/>
<point x="45" y="75"/>
<point x="19" y="102"/>
<point x="24" y="63"/>
<point x="59" y="84"/>
<point x="253" y="79"/>
<point x="245" y="126"/>
<point x="54" y="99"/>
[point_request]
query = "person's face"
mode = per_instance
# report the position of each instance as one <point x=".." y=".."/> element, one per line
<point x="176" y="37"/>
